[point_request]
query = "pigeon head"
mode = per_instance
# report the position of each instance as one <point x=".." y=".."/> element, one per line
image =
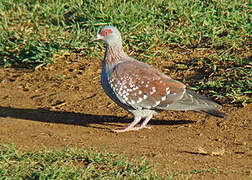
<point x="110" y="35"/>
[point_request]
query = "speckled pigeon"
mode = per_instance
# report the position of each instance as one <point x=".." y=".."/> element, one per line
<point x="141" y="89"/>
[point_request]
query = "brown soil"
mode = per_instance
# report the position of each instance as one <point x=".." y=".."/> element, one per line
<point x="64" y="104"/>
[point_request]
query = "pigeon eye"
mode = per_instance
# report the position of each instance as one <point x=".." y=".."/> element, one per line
<point x="106" y="32"/>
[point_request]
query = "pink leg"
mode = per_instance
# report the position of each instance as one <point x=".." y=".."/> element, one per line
<point x="147" y="119"/>
<point x="132" y="127"/>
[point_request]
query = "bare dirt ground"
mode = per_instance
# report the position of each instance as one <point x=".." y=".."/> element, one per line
<point x="64" y="104"/>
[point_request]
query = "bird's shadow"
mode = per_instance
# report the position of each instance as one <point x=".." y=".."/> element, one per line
<point x="80" y="119"/>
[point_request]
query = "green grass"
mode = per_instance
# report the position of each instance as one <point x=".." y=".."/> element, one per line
<point x="190" y="173"/>
<point x="32" y="32"/>
<point x="70" y="164"/>
<point x="228" y="77"/>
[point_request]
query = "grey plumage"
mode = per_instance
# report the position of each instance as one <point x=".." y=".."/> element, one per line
<point x="141" y="89"/>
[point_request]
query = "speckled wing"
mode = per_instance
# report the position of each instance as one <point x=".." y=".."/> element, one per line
<point x="142" y="87"/>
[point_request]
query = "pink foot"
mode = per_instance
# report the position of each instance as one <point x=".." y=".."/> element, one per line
<point x="130" y="129"/>
<point x="147" y="127"/>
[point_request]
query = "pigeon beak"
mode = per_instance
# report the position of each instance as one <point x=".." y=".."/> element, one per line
<point x="98" y="37"/>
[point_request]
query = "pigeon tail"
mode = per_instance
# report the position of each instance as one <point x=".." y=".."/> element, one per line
<point x="205" y="104"/>
<point x="213" y="112"/>
<point x="193" y="101"/>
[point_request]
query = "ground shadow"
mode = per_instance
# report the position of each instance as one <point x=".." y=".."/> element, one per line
<point x="45" y="115"/>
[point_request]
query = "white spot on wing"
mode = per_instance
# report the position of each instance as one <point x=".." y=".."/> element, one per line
<point x="167" y="90"/>
<point x="153" y="90"/>
<point x="145" y="96"/>
<point x="157" y="103"/>
<point x="139" y="100"/>
<point x="125" y="98"/>
<point x="135" y="88"/>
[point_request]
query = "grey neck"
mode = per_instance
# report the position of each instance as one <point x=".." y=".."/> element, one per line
<point x="114" y="54"/>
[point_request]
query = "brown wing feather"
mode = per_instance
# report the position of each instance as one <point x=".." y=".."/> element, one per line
<point x="149" y="87"/>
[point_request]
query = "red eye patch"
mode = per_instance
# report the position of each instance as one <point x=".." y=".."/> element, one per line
<point x="106" y="32"/>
